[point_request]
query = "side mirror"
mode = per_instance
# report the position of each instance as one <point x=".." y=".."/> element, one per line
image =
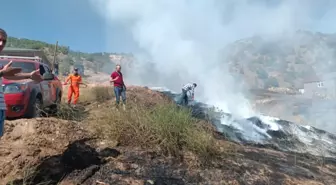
<point x="48" y="76"/>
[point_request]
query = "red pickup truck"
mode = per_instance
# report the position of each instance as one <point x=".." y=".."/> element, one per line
<point x="25" y="98"/>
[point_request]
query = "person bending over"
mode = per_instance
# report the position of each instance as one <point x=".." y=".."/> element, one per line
<point x="190" y="87"/>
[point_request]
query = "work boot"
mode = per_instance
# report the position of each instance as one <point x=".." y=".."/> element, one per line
<point x="124" y="107"/>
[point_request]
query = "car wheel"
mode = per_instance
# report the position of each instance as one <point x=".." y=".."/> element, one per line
<point x="35" y="108"/>
<point x="38" y="108"/>
<point x="55" y="107"/>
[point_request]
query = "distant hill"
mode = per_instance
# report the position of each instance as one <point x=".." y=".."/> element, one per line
<point x="285" y="60"/>
<point x="262" y="61"/>
<point x="67" y="57"/>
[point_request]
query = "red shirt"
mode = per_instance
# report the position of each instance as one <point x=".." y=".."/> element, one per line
<point x="120" y="81"/>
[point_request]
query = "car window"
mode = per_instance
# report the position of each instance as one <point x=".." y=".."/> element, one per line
<point x="42" y="70"/>
<point x="27" y="67"/>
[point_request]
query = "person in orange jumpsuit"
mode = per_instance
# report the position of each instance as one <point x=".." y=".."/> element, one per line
<point x="75" y="79"/>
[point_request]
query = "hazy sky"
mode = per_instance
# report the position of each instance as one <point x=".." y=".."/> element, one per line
<point x="77" y="24"/>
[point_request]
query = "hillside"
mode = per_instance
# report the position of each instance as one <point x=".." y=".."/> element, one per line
<point x="262" y="61"/>
<point x="153" y="142"/>
<point x="283" y="60"/>
<point x="67" y="57"/>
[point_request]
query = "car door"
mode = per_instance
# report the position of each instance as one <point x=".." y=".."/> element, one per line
<point x="52" y="86"/>
<point x="45" y="88"/>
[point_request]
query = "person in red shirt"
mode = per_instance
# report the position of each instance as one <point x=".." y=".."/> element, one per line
<point x="119" y="86"/>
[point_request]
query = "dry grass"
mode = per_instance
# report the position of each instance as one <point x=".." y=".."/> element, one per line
<point x="87" y="97"/>
<point x="150" y="121"/>
<point x="148" y="124"/>
<point x="165" y="127"/>
<point x="67" y="112"/>
<point x="91" y="94"/>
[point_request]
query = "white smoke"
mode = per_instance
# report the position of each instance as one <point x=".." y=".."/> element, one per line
<point x="185" y="40"/>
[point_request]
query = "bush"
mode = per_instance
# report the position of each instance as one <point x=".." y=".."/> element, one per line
<point x="101" y="94"/>
<point x="166" y="127"/>
<point x="66" y="112"/>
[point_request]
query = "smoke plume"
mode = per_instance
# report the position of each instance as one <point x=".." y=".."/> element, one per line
<point x="184" y="41"/>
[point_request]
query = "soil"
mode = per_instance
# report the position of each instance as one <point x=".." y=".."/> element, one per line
<point x="54" y="151"/>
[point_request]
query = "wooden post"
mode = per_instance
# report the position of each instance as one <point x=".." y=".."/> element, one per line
<point x="55" y="53"/>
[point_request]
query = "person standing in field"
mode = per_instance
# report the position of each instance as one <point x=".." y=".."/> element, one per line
<point x="75" y="80"/>
<point x="119" y="86"/>
<point x="11" y="73"/>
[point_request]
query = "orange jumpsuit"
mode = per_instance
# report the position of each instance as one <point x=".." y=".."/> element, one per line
<point x="75" y="80"/>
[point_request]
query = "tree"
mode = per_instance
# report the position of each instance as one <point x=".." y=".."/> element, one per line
<point x="34" y="44"/>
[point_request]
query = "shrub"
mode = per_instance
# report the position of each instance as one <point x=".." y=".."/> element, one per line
<point x="68" y="113"/>
<point x="166" y="127"/>
<point x="101" y="94"/>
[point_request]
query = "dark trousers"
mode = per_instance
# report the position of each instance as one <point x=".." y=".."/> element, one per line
<point x="120" y="91"/>
<point x="184" y="97"/>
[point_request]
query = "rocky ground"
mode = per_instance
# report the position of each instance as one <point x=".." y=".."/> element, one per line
<point x="61" y="151"/>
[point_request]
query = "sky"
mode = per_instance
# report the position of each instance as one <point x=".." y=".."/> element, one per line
<point x="76" y="23"/>
<point x="73" y="23"/>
